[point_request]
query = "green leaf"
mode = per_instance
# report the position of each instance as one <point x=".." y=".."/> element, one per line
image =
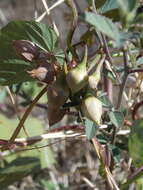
<point x="103" y="24"/>
<point x="139" y="61"/>
<point x="117" y="118"/>
<point x="60" y="57"/>
<point x="46" y="156"/>
<point x="115" y="152"/>
<point x="126" y="5"/>
<point x="105" y="101"/>
<point x="90" y="129"/>
<point x="136" y="142"/>
<point x="38" y="33"/>
<point x="127" y="10"/>
<point x="108" y="6"/>
<point x="139" y="183"/>
<point x="47" y="184"/>
<point x="14" y="71"/>
<point x="18" y="169"/>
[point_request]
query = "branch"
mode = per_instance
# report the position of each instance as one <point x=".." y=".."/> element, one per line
<point x="25" y="116"/>
<point x="123" y="84"/>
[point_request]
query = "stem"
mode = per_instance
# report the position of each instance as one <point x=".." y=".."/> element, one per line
<point x="122" y="87"/>
<point x="126" y="72"/>
<point x="102" y="156"/>
<point x="136" y="70"/>
<point x="25" y="116"/>
<point x="135" y="109"/>
<point x="137" y="174"/>
<point x="15" y="108"/>
<point x="108" y="87"/>
<point x="72" y="5"/>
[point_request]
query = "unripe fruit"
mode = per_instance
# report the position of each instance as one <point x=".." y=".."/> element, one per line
<point x="92" y="109"/>
<point x="77" y="77"/>
<point x="94" y="79"/>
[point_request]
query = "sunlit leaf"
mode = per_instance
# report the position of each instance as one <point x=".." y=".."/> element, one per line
<point x="117" y="118"/>
<point x="108" y="6"/>
<point x="12" y="69"/>
<point x="103" y="24"/>
<point x="90" y="129"/>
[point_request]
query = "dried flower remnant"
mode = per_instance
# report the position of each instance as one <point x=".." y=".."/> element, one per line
<point x="25" y="49"/>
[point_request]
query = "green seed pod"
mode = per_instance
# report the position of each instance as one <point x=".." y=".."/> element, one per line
<point x="94" y="79"/>
<point x="58" y="92"/>
<point x="77" y="77"/>
<point x="92" y="109"/>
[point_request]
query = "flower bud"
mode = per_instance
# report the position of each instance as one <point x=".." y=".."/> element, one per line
<point x="92" y="109"/>
<point x="77" y="77"/>
<point x="25" y="49"/>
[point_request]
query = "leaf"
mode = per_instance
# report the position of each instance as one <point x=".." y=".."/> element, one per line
<point x="60" y="57"/>
<point x="103" y="24"/>
<point x="136" y="142"/>
<point x="109" y="74"/>
<point x="46" y="156"/>
<point x="108" y="6"/>
<point x="139" y="183"/>
<point x="18" y="169"/>
<point x="105" y="101"/>
<point x="117" y="118"/>
<point x="39" y="34"/>
<point x="90" y="129"/>
<point x="115" y="152"/>
<point x="47" y="184"/>
<point x="12" y="69"/>
<point x="126" y="5"/>
<point x="139" y="61"/>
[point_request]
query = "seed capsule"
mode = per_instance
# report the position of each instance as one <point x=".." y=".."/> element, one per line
<point x="94" y="79"/>
<point x="77" y="77"/>
<point x="92" y="109"/>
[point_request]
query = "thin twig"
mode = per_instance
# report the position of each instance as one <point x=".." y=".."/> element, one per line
<point x="135" y="71"/>
<point x="40" y="18"/>
<point x="50" y="19"/>
<point x="15" y="108"/>
<point x="123" y="84"/>
<point x="103" y="158"/>
<point x="25" y="116"/>
<point x="50" y="144"/>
